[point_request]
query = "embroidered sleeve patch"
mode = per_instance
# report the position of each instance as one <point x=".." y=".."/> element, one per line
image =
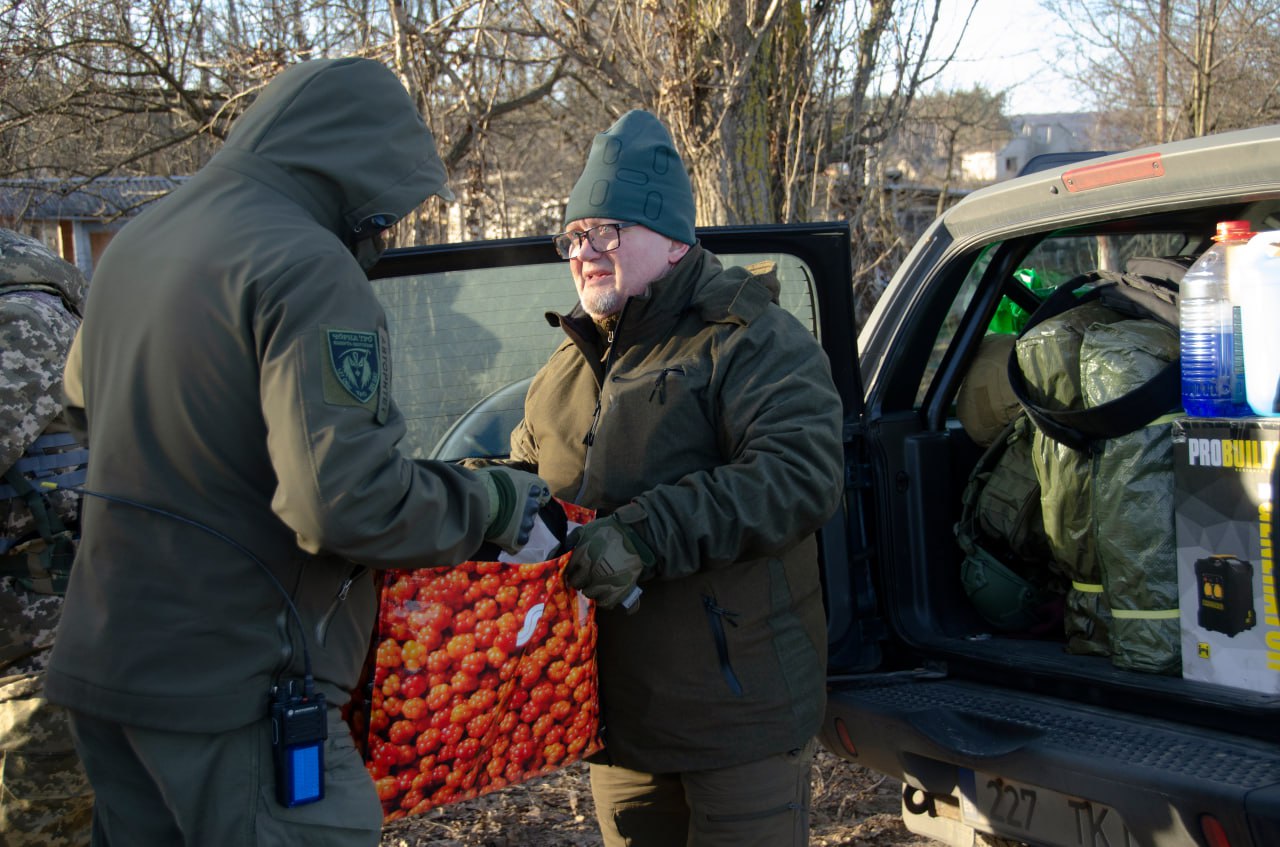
<point x="353" y="369"/>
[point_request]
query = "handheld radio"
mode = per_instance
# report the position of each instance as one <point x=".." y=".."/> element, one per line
<point x="299" y="719"/>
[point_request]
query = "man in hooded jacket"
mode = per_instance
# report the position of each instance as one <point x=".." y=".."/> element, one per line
<point x="700" y="420"/>
<point x="233" y="378"/>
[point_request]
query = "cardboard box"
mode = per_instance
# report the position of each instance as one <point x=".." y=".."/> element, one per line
<point x="1223" y="470"/>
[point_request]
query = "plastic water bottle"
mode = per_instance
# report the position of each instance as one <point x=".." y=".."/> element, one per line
<point x="1213" y="371"/>
<point x="1255" y="287"/>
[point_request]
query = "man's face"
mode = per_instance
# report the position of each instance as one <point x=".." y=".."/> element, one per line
<point x="604" y="281"/>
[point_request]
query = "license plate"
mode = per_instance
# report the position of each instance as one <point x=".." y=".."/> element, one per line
<point x="997" y="805"/>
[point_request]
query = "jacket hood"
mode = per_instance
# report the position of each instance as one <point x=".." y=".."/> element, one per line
<point x="347" y="133"/>
<point x="719" y="295"/>
<point x="26" y="263"/>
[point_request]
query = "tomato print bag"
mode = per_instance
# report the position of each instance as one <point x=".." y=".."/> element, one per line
<point x="480" y="676"/>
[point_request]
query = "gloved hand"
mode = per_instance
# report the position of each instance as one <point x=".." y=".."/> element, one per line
<point x="515" y="497"/>
<point x="609" y="558"/>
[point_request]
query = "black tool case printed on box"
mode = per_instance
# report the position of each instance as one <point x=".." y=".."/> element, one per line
<point x="1230" y="623"/>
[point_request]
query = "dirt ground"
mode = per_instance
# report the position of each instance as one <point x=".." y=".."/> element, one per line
<point x="852" y="807"/>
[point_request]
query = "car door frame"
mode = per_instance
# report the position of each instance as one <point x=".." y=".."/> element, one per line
<point x="854" y="628"/>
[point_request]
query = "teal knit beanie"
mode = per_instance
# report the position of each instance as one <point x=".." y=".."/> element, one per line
<point x="634" y="173"/>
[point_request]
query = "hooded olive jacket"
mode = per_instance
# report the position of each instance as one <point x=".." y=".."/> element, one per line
<point x="233" y="374"/>
<point x="712" y="425"/>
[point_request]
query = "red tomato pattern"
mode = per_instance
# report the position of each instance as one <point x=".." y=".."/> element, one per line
<point x="468" y="689"/>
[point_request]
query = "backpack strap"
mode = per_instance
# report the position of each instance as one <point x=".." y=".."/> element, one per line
<point x="40" y="567"/>
<point x="1132" y="294"/>
<point x="42" y="564"/>
<point x="43" y="288"/>
<point x="53" y="457"/>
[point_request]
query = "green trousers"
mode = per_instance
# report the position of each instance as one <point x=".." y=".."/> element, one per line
<point x="180" y="789"/>
<point x="758" y="804"/>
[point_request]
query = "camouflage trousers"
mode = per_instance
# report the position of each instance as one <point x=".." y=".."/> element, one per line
<point x="45" y="797"/>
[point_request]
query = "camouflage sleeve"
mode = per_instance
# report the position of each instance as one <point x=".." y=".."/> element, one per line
<point x="32" y="356"/>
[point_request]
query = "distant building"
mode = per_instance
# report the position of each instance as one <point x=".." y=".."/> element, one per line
<point x="78" y="218"/>
<point x="978" y="166"/>
<point x="1055" y="132"/>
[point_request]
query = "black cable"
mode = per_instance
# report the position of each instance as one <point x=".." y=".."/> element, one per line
<point x="308" y="681"/>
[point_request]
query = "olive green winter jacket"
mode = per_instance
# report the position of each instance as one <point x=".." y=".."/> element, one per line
<point x="711" y="425"/>
<point x="233" y="371"/>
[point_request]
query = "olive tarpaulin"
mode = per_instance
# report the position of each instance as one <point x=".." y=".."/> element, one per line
<point x="1132" y="498"/>
<point x="1108" y="504"/>
<point x="1049" y="357"/>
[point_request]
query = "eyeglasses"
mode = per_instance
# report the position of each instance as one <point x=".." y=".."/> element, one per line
<point x="603" y="238"/>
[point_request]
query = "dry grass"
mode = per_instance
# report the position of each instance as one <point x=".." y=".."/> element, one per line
<point x="852" y="807"/>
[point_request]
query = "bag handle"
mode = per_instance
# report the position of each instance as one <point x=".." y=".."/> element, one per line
<point x="1136" y="295"/>
<point x="553" y="515"/>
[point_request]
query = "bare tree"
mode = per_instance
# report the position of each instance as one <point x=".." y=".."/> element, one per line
<point x="877" y="58"/>
<point x="777" y="104"/>
<point x="91" y="89"/>
<point x="132" y="88"/>
<point x="1166" y="69"/>
<point x="941" y="126"/>
<point x="778" y="107"/>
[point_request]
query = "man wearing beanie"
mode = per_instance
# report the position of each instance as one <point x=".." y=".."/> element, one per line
<point x="700" y="420"/>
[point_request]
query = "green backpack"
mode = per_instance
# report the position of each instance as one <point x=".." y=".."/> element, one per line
<point x="1007" y="569"/>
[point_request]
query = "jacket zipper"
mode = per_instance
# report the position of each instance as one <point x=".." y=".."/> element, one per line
<point x="717" y="616"/>
<point x="590" y="438"/>
<point x="660" y="384"/>
<point x="322" y="626"/>
<point x="659" y="381"/>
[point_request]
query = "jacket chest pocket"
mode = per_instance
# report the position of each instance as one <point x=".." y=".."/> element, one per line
<point x="657" y="390"/>
<point x="656" y="423"/>
<point x="664" y="401"/>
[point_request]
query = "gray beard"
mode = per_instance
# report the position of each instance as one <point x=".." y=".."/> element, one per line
<point x="603" y="304"/>
<point x="607" y="303"/>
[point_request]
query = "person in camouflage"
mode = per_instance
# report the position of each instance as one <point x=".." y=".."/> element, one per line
<point x="45" y="798"/>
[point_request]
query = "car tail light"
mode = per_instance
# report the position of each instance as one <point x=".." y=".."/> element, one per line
<point x="1214" y="834"/>
<point x="1128" y="169"/>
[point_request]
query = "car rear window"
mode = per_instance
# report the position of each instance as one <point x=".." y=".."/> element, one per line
<point x="460" y="338"/>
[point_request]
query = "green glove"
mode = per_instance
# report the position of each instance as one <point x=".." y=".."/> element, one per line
<point x="515" y="497"/>
<point x="609" y="558"/>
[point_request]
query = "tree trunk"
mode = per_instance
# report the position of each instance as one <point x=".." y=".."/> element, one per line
<point x="1202" y="84"/>
<point x="1162" y="71"/>
<point x="734" y="130"/>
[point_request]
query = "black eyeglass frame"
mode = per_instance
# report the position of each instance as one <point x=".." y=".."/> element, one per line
<point x="569" y="243"/>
